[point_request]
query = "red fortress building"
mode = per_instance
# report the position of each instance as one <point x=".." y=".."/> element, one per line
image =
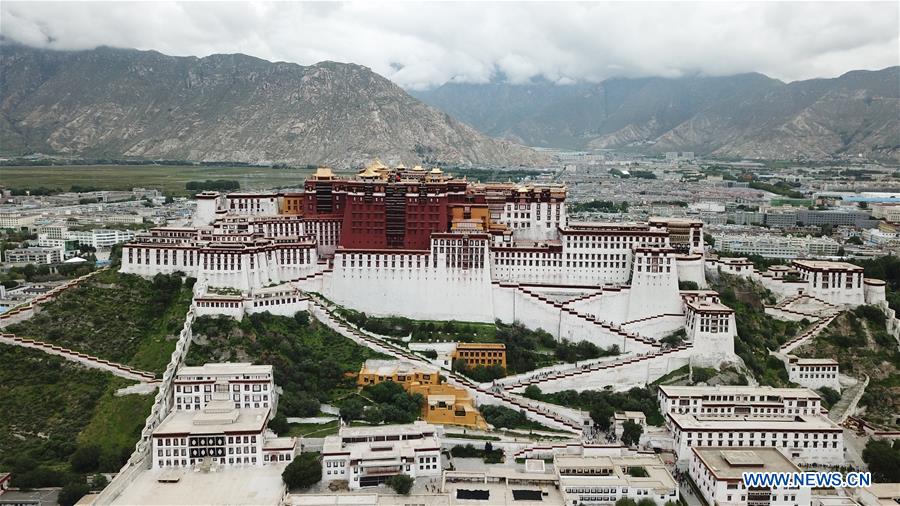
<point x="396" y="208"/>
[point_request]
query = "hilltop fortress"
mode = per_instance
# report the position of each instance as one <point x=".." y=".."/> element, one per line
<point x="421" y="244"/>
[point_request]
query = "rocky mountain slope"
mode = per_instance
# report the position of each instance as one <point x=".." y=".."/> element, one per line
<point x="747" y="115"/>
<point x="119" y="102"/>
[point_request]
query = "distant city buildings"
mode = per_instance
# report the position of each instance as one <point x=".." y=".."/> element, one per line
<point x="777" y="246"/>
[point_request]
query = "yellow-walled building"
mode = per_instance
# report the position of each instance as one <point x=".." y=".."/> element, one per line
<point x="444" y="404"/>
<point x="481" y="354"/>
<point x="375" y="371"/>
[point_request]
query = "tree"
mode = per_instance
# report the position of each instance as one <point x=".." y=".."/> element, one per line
<point x="688" y="285"/>
<point x="883" y="459"/>
<point x="279" y="424"/>
<point x="631" y="433"/>
<point x="601" y="414"/>
<point x="99" y="482"/>
<point x="352" y="409"/>
<point x="533" y="392"/>
<point x="305" y="470"/>
<point x="401" y="483"/>
<point x="625" y="501"/>
<point x="646" y="502"/>
<point x="85" y="459"/>
<point x="374" y="415"/>
<point x="72" y="492"/>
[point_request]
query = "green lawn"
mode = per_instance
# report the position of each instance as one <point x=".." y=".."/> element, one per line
<point x="313" y="429"/>
<point x="119" y="317"/>
<point x="169" y="179"/>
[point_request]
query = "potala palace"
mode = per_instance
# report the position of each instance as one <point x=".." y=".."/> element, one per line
<point x="421" y="244"/>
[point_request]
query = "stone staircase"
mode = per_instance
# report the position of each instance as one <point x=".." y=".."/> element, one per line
<point x="588" y="368"/>
<point x="814" y="330"/>
<point x="608" y="326"/>
<point x="120" y="370"/>
<point x="541" y="412"/>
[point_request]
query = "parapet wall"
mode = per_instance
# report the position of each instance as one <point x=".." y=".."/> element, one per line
<point x="162" y="404"/>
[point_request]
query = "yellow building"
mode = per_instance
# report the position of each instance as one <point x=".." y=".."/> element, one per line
<point x="444" y="404"/>
<point x="375" y="371"/>
<point x="480" y="354"/>
<point x="291" y="203"/>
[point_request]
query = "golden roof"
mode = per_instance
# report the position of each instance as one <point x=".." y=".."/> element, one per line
<point x="418" y="168"/>
<point x="369" y="171"/>
<point x="377" y="165"/>
<point x="401" y="166"/>
<point x="323" y="172"/>
<point x="436" y="171"/>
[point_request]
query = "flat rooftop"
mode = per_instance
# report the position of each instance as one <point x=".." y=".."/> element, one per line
<point x="209" y="422"/>
<point x="658" y="477"/>
<point x="250" y="485"/>
<point x="383" y="367"/>
<point x="701" y="391"/>
<point x="813" y="361"/>
<point x="745" y="423"/>
<point x="827" y="265"/>
<point x="223" y="369"/>
<point x="730" y="463"/>
<point x="708" y="306"/>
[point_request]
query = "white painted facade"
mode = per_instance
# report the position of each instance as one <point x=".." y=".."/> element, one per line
<point x="804" y="439"/>
<point x="247" y="385"/>
<point x="738" y="401"/>
<point x="602" y="479"/>
<point x="814" y="373"/>
<point x="367" y="456"/>
<point x="717" y="474"/>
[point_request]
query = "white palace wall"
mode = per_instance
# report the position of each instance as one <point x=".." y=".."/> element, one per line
<point x="424" y="292"/>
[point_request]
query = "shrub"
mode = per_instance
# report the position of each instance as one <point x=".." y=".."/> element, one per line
<point x="304" y="471"/>
<point x="72" y="492"/>
<point x="85" y="459"/>
<point x="401" y="483"/>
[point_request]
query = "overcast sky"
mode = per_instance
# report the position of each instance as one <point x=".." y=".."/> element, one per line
<point x="425" y="44"/>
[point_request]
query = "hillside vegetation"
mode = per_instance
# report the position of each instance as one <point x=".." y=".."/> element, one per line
<point x="861" y="345"/>
<point x="757" y="332"/>
<point x="118" y="317"/>
<point x="60" y="420"/>
<point x="312" y="363"/>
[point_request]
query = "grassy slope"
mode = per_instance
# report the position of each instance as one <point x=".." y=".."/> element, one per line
<point x="863" y="347"/>
<point x="51" y="406"/>
<point x="113" y="316"/>
<point x="757" y="331"/>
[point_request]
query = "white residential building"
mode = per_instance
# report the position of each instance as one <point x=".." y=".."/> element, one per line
<point x="34" y="255"/>
<point x="17" y="221"/>
<point x="777" y="246"/>
<point x="738" y="401"/>
<point x="249" y="386"/>
<point x="368" y="456"/>
<point x="814" y="372"/>
<point x="101" y="238"/>
<point x="718" y="474"/>
<point x="604" y="479"/>
<point x="218" y="434"/>
<point x="804" y="439"/>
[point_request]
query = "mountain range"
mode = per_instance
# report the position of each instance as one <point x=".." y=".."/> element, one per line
<point x="110" y="102"/>
<point x="745" y="115"/>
